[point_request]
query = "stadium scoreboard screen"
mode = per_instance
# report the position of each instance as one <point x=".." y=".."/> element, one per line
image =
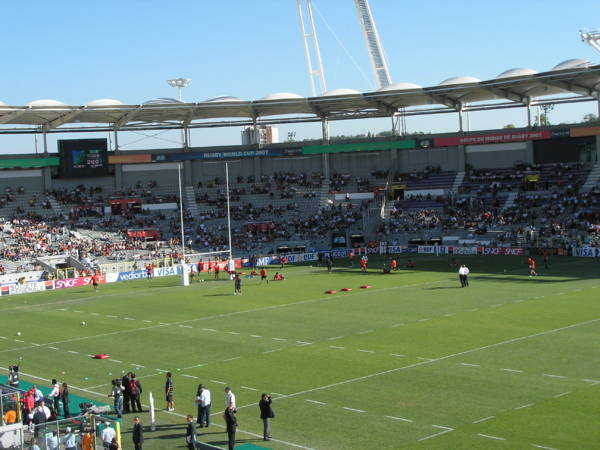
<point x="83" y="158"/>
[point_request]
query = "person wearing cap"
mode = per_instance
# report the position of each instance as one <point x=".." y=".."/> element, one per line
<point x="107" y="435"/>
<point x="69" y="440"/>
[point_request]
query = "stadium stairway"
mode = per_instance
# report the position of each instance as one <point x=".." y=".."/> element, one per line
<point x="56" y="206"/>
<point x="592" y="180"/>
<point x="460" y="176"/>
<point x="510" y="201"/>
<point x="189" y="200"/>
<point x="324" y="193"/>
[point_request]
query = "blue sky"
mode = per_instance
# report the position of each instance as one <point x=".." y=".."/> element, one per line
<point x="76" y="51"/>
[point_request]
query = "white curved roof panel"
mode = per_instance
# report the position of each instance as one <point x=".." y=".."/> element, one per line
<point x="163" y="101"/>
<point x="576" y="63"/>
<point x="459" y="80"/>
<point x="104" y="102"/>
<point x="280" y="96"/>
<point x="402" y="86"/>
<point x="46" y="103"/>
<point x="335" y="92"/>
<point x="516" y="72"/>
<point x="223" y="98"/>
<point x="575" y="77"/>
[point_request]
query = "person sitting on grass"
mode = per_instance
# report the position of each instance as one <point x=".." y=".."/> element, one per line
<point x="278" y="277"/>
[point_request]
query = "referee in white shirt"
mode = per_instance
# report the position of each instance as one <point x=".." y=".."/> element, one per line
<point x="463" y="275"/>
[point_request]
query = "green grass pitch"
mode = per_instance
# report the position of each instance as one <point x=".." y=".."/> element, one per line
<point x="414" y="362"/>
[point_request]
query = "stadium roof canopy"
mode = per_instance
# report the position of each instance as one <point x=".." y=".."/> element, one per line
<point x="572" y="81"/>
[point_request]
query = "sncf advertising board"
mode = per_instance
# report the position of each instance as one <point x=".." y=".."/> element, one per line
<point x="77" y="282"/>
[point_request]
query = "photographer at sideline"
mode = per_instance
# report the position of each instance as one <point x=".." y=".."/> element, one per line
<point x="117" y="394"/>
<point x="266" y="414"/>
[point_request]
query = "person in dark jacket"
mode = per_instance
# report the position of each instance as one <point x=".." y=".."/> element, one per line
<point x="190" y="433"/>
<point x="231" y="422"/>
<point x="127" y="393"/>
<point x="64" y="398"/>
<point x="138" y="433"/>
<point x="266" y="414"/>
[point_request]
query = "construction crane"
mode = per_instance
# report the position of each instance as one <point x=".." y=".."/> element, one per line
<point x="591" y="37"/>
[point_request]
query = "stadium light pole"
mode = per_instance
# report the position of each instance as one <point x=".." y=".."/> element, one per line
<point x="183" y="265"/>
<point x="228" y="210"/>
<point x="179" y="84"/>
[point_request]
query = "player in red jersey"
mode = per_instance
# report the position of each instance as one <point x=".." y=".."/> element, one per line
<point x="95" y="281"/>
<point x="263" y="275"/>
<point x="532" y="272"/>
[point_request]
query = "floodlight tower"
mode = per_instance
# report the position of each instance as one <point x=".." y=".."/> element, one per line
<point x="378" y="62"/>
<point x="179" y="84"/>
<point x="310" y="37"/>
<point x="591" y="37"/>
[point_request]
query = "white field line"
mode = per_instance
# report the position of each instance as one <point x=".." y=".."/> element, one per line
<point x="442" y="358"/>
<point x="422" y="358"/>
<point x="208" y="329"/>
<point x="561" y="395"/>
<point x="218" y="382"/>
<point x="402" y="419"/>
<point x="248" y="388"/>
<point x="185" y="326"/>
<point x="491" y="437"/>
<point x="354" y="409"/>
<point x="365" y="332"/>
<point x="304" y="343"/>
<point x="445" y="430"/>
<point x="542" y="446"/>
<point x="95" y="314"/>
<point x="232" y="359"/>
<point x="397" y="325"/>
<point x="19" y="340"/>
<point x="511" y="370"/>
<point x="425" y="319"/>
<point x="449" y="314"/>
<point x="334" y="338"/>
<point x="255" y="336"/>
<point x="147" y="321"/>
<point x="470" y="365"/>
<point x="116" y="360"/>
<point x="189" y="376"/>
<point x="551" y="375"/>
<point x="232" y="332"/>
<point x="366" y="351"/>
<point x="193" y="367"/>
<point x="137" y="365"/>
<point x="397" y="354"/>
<point x="239" y="313"/>
<point x="316" y="402"/>
<point x="162" y="370"/>
<point x="53" y="348"/>
<point x="73" y="352"/>
<point x="272" y="351"/>
<point x="484" y="419"/>
<point x="336" y="347"/>
<point x="524" y="406"/>
<point x="279" y="339"/>
<point x="112" y="317"/>
<point x="3" y="337"/>
<point x="591" y="381"/>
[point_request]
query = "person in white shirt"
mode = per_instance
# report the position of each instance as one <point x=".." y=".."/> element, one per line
<point x="108" y="434"/>
<point x="229" y="398"/>
<point x="463" y="275"/>
<point x="55" y="395"/>
<point x="38" y="396"/>
<point x="52" y="442"/>
<point x="203" y="401"/>
<point x="231" y="268"/>
<point x="69" y="440"/>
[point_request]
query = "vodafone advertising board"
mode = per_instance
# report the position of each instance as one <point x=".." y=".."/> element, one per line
<point x="76" y="282"/>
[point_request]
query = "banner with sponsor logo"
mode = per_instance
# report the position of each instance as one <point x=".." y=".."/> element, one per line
<point x="464" y="250"/>
<point x="29" y="287"/>
<point x="77" y="282"/>
<point x="433" y="249"/>
<point x="587" y="252"/>
<point x="496" y="138"/>
<point x="502" y="251"/>
<point x="166" y="271"/>
<point x="131" y="275"/>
